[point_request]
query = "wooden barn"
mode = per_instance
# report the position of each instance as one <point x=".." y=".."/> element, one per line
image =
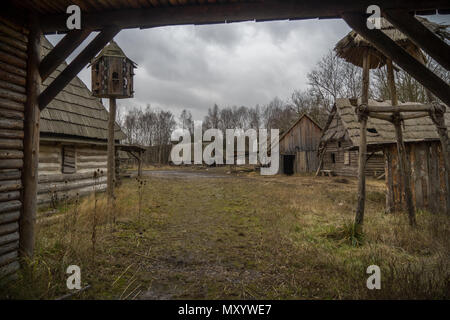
<point x="73" y="141"/>
<point x="299" y="146"/>
<point x="423" y="148"/>
<point x="340" y="140"/>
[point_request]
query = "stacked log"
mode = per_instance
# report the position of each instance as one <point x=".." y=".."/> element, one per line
<point x="54" y="181"/>
<point x="13" y="65"/>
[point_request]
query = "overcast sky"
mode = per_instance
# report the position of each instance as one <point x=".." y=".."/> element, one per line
<point x="193" y="67"/>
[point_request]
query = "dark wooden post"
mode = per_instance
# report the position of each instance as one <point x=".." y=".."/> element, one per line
<point x="403" y="158"/>
<point x="437" y="115"/>
<point x="111" y="149"/>
<point x="31" y="142"/>
<point x="362" y="117"/>
<point x="140" y="164"/>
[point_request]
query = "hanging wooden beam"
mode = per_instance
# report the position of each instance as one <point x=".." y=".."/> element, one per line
<point x="414" y="115"/>
<point x="380" y="116"/>
<point x="231" y="12"/>
<point x="362" y="153"/>
<point x="420" y="35"/>
<point x="62" y="51"/>
<point x="391" y="50"/>
<point x="30" y="142"/>
<point x="76" y="66"/>
<point x="402" y="108"/>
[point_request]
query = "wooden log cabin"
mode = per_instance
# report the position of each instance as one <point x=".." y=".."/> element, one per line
<point x="299" y="146"/>
<point x="73" y="138"/>
<point x="339" y="142"/>
<point x="423" y="147"/>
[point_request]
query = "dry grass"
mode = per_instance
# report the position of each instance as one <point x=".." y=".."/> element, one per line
<point x="246" y="237"/>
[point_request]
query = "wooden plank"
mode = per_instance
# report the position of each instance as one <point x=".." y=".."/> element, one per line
<point x="9" y="269"/>
<point x="11" y="164"/>
<point x="16" y="144"/>
<point x="433" y="183"/>
<point x="10" y="206"/>
<point x="208" y="13"/>
<point x="11" y="124"/>
<point x="11" y="134"/>
<point x="9" y="238"/>
<point x="12" y="78"/>
<point x="13" y="246"/>
<point x="9" y="217"/>
<point x="11" y="105"/>
<point x="389" y="182"/>
<point x="9" y="174"/>
<point x="10" y="185"/>
<point x="9" y="228"/>
<point x="8" y="258"/>
<point x="8" y="196"/>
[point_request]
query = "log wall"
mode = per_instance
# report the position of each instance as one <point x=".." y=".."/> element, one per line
<point x="55" y="184"/>
<point x="374" y="166"/>
<point x="427" y="179"/>
<point x="13" y="66"/>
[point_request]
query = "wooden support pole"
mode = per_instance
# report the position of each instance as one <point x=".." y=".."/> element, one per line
<point x="405" y="170"/>
<point x="61" y="51"/>
<point x="140" y="164"/>
<point x="111" y="149"/>
<point x="76" y="66"/>
<point x="420" y="35"/>
<point x="390" y="49"/>
<point x="439" y="120"/>
<point x="30" y="142"/>
<point x="362" y="115"/>
<point x="403" y="159"/>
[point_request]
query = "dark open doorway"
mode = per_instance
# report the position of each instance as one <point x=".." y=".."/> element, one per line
<point x="288" y="164"/>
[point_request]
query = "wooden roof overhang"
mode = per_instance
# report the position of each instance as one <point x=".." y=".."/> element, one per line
<point x="111" y="16"/>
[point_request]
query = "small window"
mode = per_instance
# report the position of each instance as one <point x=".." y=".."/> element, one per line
<point x="333" y="158"/>
<point x="372" y="130"/>
<point x="347" y="158"/>
<point x="68" y="160"/>
<point x="339" y="144"/>
<point x="115" y="76"/>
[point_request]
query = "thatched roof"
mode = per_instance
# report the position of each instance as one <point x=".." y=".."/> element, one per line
<point x="74" y="113"/>
<point x="343" y="124"/>
<point x="353" y="47"/>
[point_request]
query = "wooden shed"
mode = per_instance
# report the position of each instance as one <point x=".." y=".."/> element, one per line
<point x="340" y="140"/>
<point x="73" y="141"/>
<point x="299" y="146"/>
<point x="423" y="148"/>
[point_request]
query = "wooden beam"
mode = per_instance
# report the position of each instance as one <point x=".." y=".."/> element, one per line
<point x="391" y="50"/>
<point x="232" y="12"/>
<point x="380" y="116"/>
<point x="76" y="66"/>
<point x="420" y="35"/>
<point x="111" y="151"/>
<point x="31" y="142"/>
<point x="362" y="152"/>
<point x="402" y="108"/>
<point x="61" y="51"/>
<point x="415" y="115"/>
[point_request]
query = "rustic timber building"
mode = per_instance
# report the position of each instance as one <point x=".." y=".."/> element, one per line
<point x="423" y="148"/>
<point x="299" y="146"/>
<point x="73" y="138"/>
<point x="338" y="146"/>
<point x="21" y="71"/>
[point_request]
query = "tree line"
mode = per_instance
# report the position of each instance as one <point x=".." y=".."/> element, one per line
<point x="331" y="78"/>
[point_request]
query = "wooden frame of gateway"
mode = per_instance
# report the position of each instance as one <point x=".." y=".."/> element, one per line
<point x="22" y="23"/>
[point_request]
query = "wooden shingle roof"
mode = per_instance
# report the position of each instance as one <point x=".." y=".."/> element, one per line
<point x="345" y="124"/>
<point x="74" y="112"/>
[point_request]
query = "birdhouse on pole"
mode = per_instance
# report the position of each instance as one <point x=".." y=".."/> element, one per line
<point x="112" y="77"/>
<point x="112" y="73"/>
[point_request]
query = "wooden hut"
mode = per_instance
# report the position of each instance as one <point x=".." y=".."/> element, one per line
<point x="423" y="148"/>
<point x="299" y="145"/>
<point x="73" y="140"/>
<point x="339" y="144"/>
